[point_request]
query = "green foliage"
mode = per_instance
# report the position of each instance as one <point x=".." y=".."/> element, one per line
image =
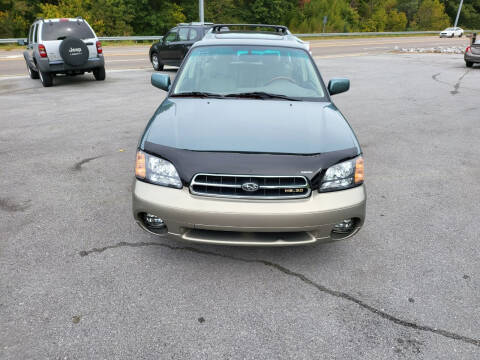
<point x="431" y="16"/>
<point x="381" y="15"/>
<point x="397" y="21"/>
<point x="470" y="15"/>
<point x="153" y="17"/>
<point x="105" y="16"/>
<point x="340" y="17"/>
<point x="15" y="17"/>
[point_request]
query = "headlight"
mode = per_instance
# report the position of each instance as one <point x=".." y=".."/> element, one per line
<point x="344" y="175"/>
<point x="156" y="171"/>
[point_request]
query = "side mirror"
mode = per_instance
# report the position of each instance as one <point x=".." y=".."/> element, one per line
<point x="337" y="86"/>
<point x="161" y="81"/>
<point x="22" y="42"/>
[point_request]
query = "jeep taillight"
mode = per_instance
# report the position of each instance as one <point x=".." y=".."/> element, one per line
<point x="467" y="50"/>
<point x="42" y="51"/>
<point x="99" y="47"/>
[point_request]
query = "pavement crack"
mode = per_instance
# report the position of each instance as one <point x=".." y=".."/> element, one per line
<point x="339" y="294"/>
<point x="78" y="165"/>
<point x="11" y="206"/>
<point x="457" y="84"/>
<point x="435" y="77"/>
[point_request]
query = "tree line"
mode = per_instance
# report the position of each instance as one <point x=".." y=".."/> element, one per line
<point x="154" y="17"/>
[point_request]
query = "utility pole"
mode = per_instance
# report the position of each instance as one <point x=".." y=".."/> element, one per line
<point x="458" y="13"/>
<point x="200" y="11"/>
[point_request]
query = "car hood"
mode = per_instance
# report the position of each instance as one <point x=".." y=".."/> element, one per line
<point x="269" y="137"/>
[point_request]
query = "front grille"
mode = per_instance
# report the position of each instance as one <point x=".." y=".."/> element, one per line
<point x="235" y="186"/>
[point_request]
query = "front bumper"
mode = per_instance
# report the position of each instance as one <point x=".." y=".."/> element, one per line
<point x="45" y="65"/>
<point x="249" y="222"/>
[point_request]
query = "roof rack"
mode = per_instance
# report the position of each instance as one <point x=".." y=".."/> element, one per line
<point x="40" y="18"/>
<point x="195" y="23"/>
<point x="277" y="28"/>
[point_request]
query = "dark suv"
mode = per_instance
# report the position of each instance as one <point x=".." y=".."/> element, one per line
<point x="175" y="44"/>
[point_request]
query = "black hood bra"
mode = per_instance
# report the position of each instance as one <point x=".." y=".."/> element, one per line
<point x="188" y="162"/>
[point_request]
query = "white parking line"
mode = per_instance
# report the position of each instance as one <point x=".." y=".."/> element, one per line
<point x="18" y="56"/>
<point x="10" y="77"/>
<point x="340" y="55"/>
<point x="126" y="60"/>
<point x="21" y="76"/>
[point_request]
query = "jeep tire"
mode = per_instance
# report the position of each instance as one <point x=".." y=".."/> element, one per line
<point x="73" y="51"/>
<point x="99" y="73"/>
<point x="46" y="78"/>
<point x="33" y="74"/>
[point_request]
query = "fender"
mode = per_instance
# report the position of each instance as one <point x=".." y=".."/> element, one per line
<point x="29" y="61"/>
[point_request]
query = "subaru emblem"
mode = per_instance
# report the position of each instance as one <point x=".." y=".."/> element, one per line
<point x="250" y="186"/>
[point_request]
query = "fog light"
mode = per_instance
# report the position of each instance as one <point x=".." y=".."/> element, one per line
<point x="154" y="221"/>
<point x="344" y="226"/>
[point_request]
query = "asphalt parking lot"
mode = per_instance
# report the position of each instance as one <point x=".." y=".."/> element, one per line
<point x="80" y="280"/>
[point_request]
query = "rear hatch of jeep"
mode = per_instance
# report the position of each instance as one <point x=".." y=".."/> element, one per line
<point x="55" y="31"/>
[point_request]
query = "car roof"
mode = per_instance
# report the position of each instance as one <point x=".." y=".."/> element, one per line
<point x="61" y="19"/>
<point x="280" y="37"/>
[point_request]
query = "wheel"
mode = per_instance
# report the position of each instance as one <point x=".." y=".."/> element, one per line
<point x="468" y="63"/>
<point x="33" y="74"/>
<point x="46" y="78"/>
<point x="461" y="34"/>
<point x="99" y="73"/>
<point x="156" y="62"/>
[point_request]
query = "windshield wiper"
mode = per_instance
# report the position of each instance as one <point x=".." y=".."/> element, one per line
<point x="261" y="95"/>
<point x="199" y="94"/>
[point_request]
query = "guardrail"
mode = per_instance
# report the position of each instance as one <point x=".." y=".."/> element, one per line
<point x="6" y="41"/>
<point x="369" y="33"/>
<point x="21" y="41"/>
<point x="131" y="38"/>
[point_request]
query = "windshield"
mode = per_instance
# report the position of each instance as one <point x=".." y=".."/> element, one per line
<point x="60" y="30"/>
<point x="230" y="70"/>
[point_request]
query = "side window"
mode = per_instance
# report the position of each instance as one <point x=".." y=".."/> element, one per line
<point x="193" y="34"/>
<point x="35" y="33"/>
<point x="171" y="36"/>
<point x="30" y="34"/>
<point x="183" y="34"/>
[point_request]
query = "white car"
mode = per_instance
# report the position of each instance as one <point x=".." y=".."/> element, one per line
<point x="452" y="32"/>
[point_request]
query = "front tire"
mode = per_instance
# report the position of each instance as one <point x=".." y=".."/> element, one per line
<point x="157" y="66"/>
<point x="46" y="78"/>
<point x="99" y="74"/>
<point x="468" y="63"/>
<point x="33" y="74"/>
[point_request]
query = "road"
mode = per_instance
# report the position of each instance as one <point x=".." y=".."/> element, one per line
<point x="136" y="57"/>
<point x="80" y="280"/>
